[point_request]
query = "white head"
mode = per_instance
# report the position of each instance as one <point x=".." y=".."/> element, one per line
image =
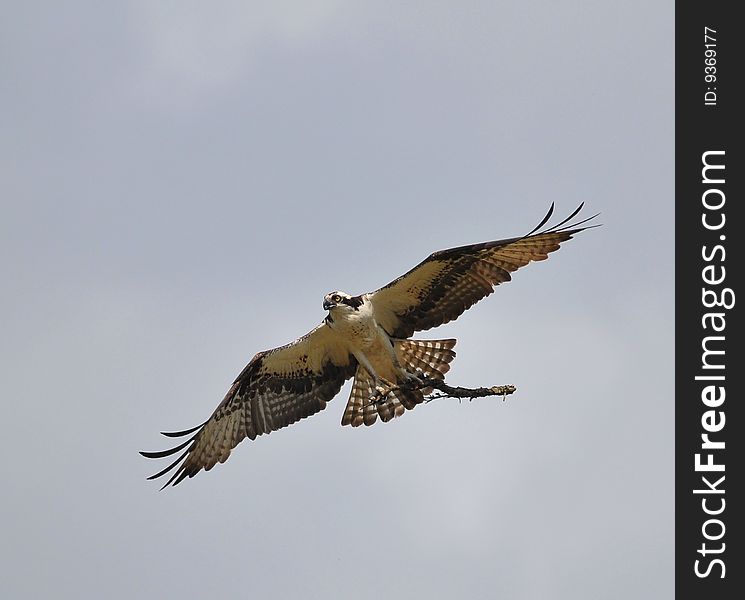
<point x="337" y="301"/>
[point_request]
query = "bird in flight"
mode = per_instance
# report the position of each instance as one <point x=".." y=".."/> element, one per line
<point x="367" y="337"/>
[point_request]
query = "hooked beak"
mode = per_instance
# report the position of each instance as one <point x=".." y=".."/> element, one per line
<point x="328" y="305"/>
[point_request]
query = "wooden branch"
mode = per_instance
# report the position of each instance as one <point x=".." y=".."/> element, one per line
<point x="470" y="393"/>
<point x="446" y="390"/>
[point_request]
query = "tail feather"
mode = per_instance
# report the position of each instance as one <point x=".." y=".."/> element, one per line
<point x="430" y="358"/>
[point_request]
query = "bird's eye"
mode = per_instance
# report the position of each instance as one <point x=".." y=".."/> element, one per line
<point x="336" y="298"/>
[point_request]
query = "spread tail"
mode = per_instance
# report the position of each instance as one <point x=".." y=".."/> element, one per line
<point x="430" y="358"/>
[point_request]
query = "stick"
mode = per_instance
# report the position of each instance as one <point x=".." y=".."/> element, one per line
<point x="447" y="390"/>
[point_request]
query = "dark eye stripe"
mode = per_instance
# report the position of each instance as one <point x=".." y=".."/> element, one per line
<point x="355" y="302"/>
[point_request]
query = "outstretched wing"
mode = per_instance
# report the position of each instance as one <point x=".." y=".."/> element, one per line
<point x="277" y="388"/>
<point x="448" y="282"/>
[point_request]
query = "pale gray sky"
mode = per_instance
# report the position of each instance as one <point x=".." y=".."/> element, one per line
<point x="181" y="182"/>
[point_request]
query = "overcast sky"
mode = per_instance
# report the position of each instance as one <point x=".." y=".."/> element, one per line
<point x="181" y="182"/>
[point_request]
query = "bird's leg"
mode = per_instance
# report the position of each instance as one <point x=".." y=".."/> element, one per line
<point x="383" y="387"/>
<point x="413" y="379"/>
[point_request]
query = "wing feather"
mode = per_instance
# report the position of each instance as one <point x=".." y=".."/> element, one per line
<point x="449" y="282"/>
<point x="277" y="388"/>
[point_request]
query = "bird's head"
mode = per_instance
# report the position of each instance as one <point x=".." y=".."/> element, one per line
<point x="336" y="301"/>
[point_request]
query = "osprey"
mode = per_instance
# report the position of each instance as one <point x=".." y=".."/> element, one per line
<point x="366" y="337"/>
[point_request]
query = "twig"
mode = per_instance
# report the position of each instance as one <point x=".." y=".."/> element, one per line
<point x="447" y="390"/>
